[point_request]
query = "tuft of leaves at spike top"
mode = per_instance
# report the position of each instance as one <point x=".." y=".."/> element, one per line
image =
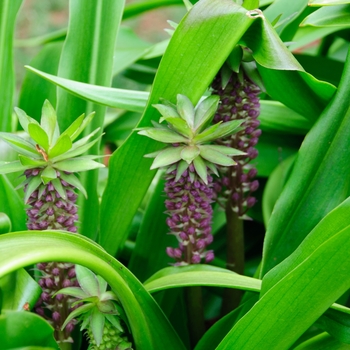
<point x="190" y="160"/>
<point x="49" y="160"/>
<point x="98" y="311"/>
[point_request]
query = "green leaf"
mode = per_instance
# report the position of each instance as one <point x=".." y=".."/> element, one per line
<point x="167" y="156"/>
<point x="35" y="90"/>
<point x="24" y="119"/>
<point x="5" y="223"/>
<point x="278" y="67"/>
<point x="145" y="317"/>
<point x="327" y="2"/>
<point x="228" y="151"/>
<point x="310" y="274"/>
<point x="199" y="275"/>
<point x="251" y="4"/>
<point x="291" y="122"/>
<point x="333" y="223"/>
<point x="322" y="341"/>
<point x="151" y="236"/>
<point x="201" y="169"/>
<point x="97" y="321"/>
<point x="87" y="281"/>
<point x="189" y="153"/>
<point x="205" y="112"/>
<point x="111" y="97"/>
<point x="181" y="168"/>
<point x="274" y="186"/>
<point x="49" y="122"/>
<point x="48" y="174"/>
<point x="287" y="11"/>
<point x="86" y="121"/>
<point x="336" y="324"/>
<point x="59" y="188"/>
<point x="334" y="16"/>
<point x="189" y="54"/>
<point x="163" y="135"/>
<point x="185" y="109"/>
<point x="75" y="292"/>
<point x="76" y="151"/>
<point x="19" y="291"/>
<point x="217" y="131"/>
<point x="8" y="13"/>
<point x="74" y="127"/>
<point x="215" y="157"/>
<point x="137" y="8"/>
<point x="318" y="182"/>
<point x="12" y="167"/>
<point x="166" y="111"/>
<point x="20" y="329"/>
<point x="102" y="285"/>
<point x="31" y="162"/>
<point x="20" y="145"/>
<point x="179" y="125"/>
<point x="38" y="134"/>
<point x="85" y="308"/>
<point x="75" y="165"/>
<point x="62" y="145"/>
<point x="33" y="184"/>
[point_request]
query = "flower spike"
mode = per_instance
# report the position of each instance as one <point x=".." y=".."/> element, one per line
<point x="190" y="158"/>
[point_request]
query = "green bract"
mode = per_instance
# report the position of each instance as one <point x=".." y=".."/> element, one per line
<point x="49" y="151"/>
<point x="98" y="309"/>
<point x="190" y="134"/>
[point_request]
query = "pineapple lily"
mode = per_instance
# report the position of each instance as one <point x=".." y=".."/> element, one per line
<point x="190" y="160"/>
<point x="98" y="311"/>
<point x="48" y="160"/>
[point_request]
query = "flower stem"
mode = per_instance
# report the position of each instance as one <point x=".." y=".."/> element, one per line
<point x="235" y="257"/>
<point x="195" y="314"/>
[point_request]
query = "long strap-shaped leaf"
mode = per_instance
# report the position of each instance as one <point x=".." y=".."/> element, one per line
<point x="316" y="279"/>
<point x="8" y="13"/>
<point x="319" y="180"/>
<point x="149" y="326"/>
<point x="87" y="56"/>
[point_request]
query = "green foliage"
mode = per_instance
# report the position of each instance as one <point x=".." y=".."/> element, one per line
<point x="111" y="85"/>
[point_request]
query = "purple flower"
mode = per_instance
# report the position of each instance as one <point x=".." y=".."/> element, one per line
<point x="239" y="100"/>
<point x="190" y="215"/>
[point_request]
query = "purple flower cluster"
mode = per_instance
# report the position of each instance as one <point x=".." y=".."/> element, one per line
<point x="56" y="276"/>
<point x="48" y="210"/>
<point x="190" y="213"/>
<point x="239" y="100"/>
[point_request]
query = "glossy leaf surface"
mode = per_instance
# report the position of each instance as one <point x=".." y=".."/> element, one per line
<point x="299" y="298"/>
<point x="8" y="13"/>
<point x="146" y="319"/>
<point x="317" y="183"/>
<point x="25" y="330"/>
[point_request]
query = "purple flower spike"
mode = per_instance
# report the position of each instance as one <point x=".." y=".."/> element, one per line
<point x="188" y="221"/>
<point x="239" y="100"/>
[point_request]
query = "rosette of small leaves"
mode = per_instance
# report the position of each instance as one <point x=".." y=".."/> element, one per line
<point x="190" y="160"/>
<point x="239" y="101"/>
<point x="98" y="311"/>
<point x="48" y="160"/>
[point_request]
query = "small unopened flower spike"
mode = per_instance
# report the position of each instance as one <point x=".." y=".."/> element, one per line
<point x="98" y="311"/>
<point x="49" y="160"/>
<point x="190" y="160"/>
